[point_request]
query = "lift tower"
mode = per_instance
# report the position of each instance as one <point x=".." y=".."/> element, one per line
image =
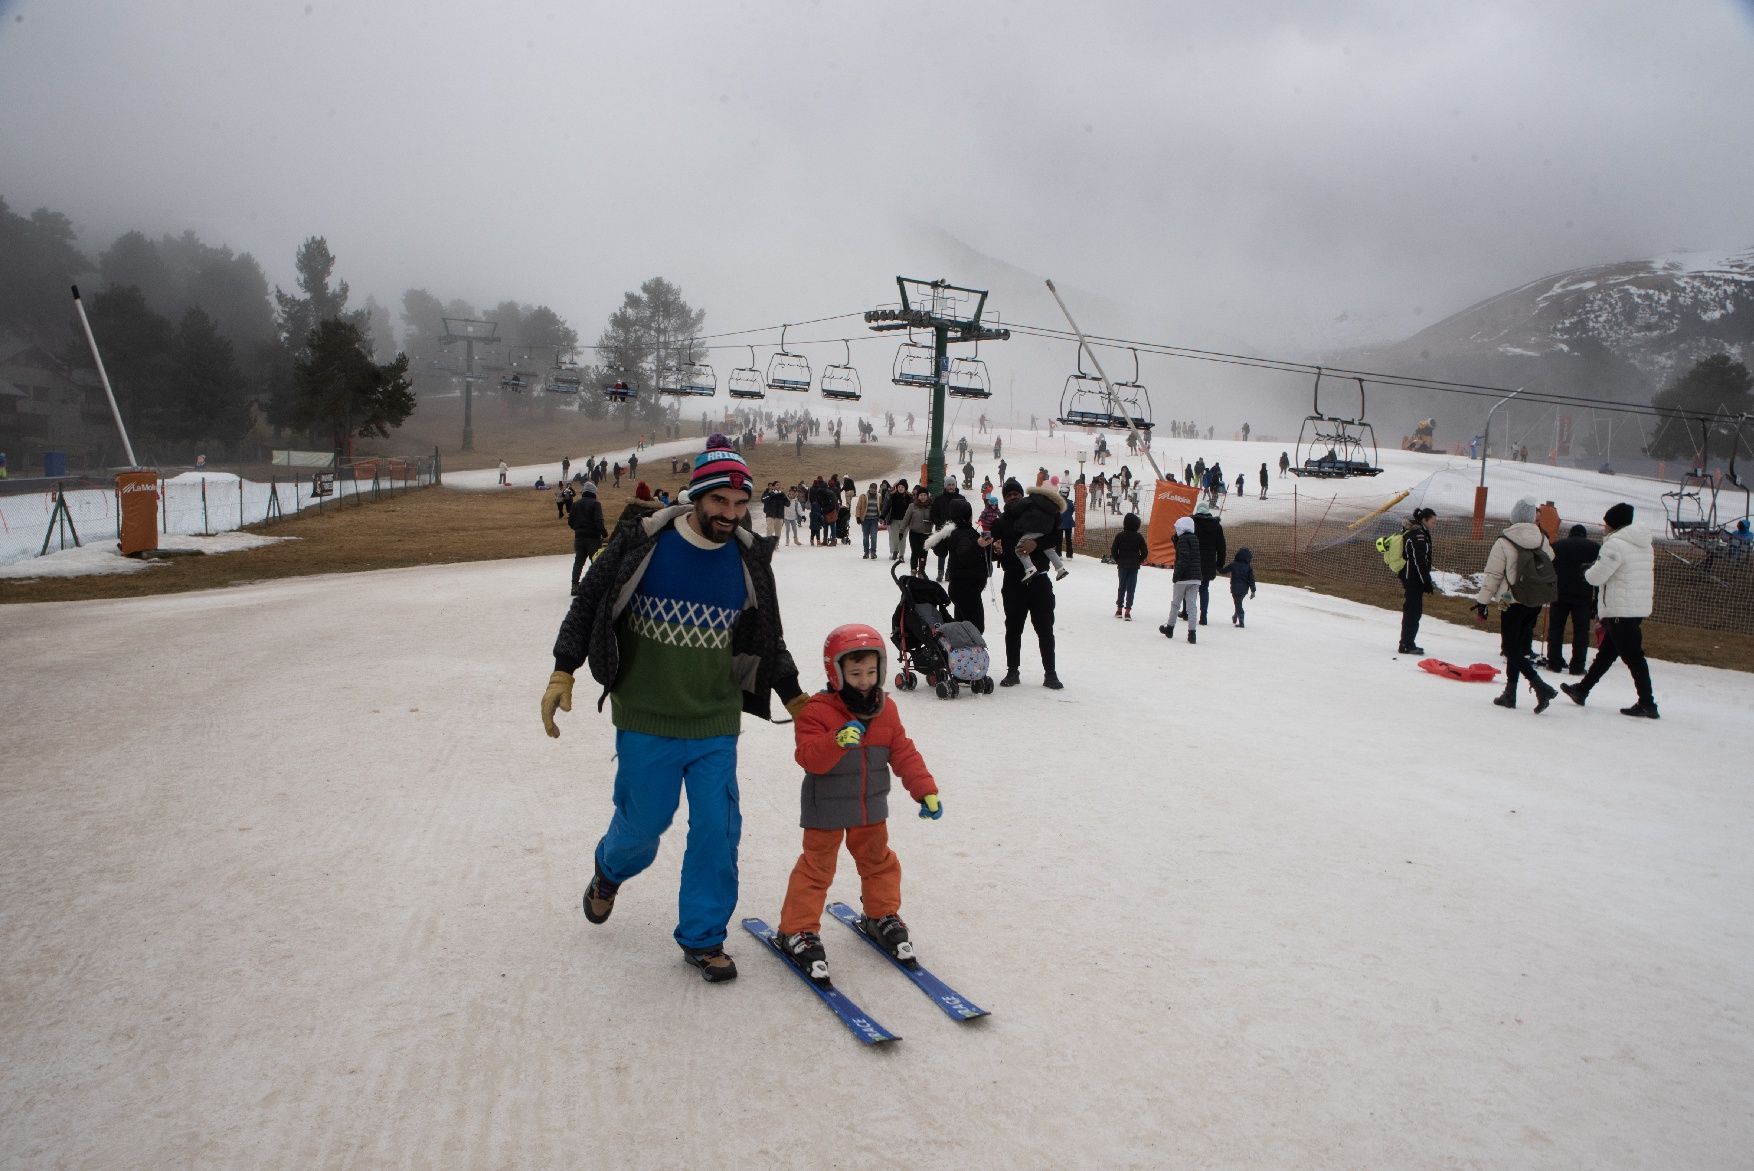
<point x="953" y="314"/>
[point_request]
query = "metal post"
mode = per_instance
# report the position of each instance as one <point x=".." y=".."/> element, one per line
<point x="940" y="367"/>
<point x="468" y="393"/>
<point x="103" y="377"/>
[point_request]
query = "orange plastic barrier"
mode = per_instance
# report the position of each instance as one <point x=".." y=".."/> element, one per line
<point x="138" y="492"/>
<point x="1169" y="503"/>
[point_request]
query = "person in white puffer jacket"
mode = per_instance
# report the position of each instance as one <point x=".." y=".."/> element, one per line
<point x="1624" y="575"/>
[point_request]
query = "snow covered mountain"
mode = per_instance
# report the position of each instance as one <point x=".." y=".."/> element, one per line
<point x="1619" y="331"/>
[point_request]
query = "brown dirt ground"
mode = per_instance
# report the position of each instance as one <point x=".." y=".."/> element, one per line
<point x="428" y="526"/>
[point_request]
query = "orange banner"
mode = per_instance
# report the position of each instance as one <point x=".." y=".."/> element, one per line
<point x="138" y="493"/>
<point x="1169" y="503"/>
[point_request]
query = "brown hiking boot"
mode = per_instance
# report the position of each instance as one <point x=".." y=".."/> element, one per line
<point x="715" y="966"/>
<point x="599" y="898"/>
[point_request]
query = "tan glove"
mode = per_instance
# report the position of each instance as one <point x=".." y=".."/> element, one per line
<point x="796" y="704"/>
<point x="558" y="695"/>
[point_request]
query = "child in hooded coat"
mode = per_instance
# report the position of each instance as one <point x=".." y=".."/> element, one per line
<point x="1185" y="588"/>
<point x="1128" y="553"/>
<point x="1032" y="517"/>
<point x="1242" y="581"/>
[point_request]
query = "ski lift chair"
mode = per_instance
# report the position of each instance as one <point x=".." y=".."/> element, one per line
<point x="841" y="382"/>
<point x="787" y="371"/>
<point x="513" y="382"/>
<point x="699" y="380"/>
<point x="1347" y="446"/>
<point x="913" y="365"/>
<point x="1135" y="400"/>
<point x="669" y="380"/>
<point x="746" y="381"/>
<point x="564" y="380"/>
<point x="621" y="390"/>
<point x="967" y="378"/>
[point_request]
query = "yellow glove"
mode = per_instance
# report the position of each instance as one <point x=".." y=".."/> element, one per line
<point x="558" y="695"/>
<point x="796" y="704"/>
<point x="849" y="734"/>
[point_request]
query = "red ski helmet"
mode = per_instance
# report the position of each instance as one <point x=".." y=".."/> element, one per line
<point x="843" y="641"/>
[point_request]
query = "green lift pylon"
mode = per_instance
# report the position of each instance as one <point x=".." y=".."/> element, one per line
<point x="953" y="314"/>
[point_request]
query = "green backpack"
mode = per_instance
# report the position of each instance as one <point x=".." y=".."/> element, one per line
<point x="1393" y="550"/>
<point x="1537" y="582"/>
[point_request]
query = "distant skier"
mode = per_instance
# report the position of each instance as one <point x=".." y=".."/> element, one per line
<point x="1211" y="533"/>
<point x="1416" y="579"/>
<point x="1265" y="480"/>
<point x="848" y="737"/>
<point x="1284" y="464"/>
<point x="502" y="473"/>
<point x="584" y="515"/>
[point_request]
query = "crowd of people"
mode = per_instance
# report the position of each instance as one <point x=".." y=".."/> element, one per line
<point x="670" y="598"/>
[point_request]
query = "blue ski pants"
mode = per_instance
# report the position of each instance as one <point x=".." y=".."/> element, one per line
<point x="651" y="773"/>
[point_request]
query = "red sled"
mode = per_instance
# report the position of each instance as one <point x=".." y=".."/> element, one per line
<point x="1473" y="673"/>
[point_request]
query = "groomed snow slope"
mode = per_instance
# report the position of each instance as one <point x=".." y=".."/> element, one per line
<point x="293" y="881"/>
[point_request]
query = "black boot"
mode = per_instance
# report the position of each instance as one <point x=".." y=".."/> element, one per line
<point x="1644" y="709"/>
<point x="891" y="932"/>
<point x="1010" y="679"/>
<point x="1543" y="695"/>
<point x="1508" y="699"/>
<point x="805" y="948"/>
<point x="1577" y="694"/>
<point x="1052" y="682"/>
<point x="1190" y="632"/>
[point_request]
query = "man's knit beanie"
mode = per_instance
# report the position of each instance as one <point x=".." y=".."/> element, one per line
<point x="643" y="491"/>
<point x="719" y="467"/>
<point x="1011" y="485"/>
<point x="1619" y="516"/>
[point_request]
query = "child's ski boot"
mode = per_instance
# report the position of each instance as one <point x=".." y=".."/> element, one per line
<point x="891" y="932"/>
<point x="805" y="948"/>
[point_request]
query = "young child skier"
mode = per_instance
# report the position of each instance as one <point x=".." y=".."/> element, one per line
<point x="1242" y="581"/>
<point x="1184" y="598"/>
<point x="1033" y="516"/>
<point x="848" y="737"/>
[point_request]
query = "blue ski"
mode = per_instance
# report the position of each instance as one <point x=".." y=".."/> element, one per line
<point x="850" y="1014"/>
<point x="943" y="995"/>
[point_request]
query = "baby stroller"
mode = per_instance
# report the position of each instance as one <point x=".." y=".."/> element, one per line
<point x="949" y="654"/>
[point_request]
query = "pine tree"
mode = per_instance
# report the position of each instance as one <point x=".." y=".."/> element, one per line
<point x="341" y="389"/>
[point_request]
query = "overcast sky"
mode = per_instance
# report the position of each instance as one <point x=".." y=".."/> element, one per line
<point x="1217" y="175"/>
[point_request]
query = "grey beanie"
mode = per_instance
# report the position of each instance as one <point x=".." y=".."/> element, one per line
<point x="1523" y="511"/>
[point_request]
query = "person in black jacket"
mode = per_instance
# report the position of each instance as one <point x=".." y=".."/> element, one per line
<point x="1210" y="530"/>
<point x="1576" y="601"/>
<point x="940" y="515"/>
<point x="584" y="516"/>
<point x="1242" y="582"/>
<point x="1184" y="579"/>
<point x="1128" y="553"/>
<point x="1026" y="599"/>
<point x="773" y="509"/>
<point x="1415" y="578"/>
<point x="967" y="565"/>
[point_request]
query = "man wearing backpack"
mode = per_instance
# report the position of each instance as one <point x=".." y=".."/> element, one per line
<point x="1521" y="564"/>
<point x="1411" y="547"/>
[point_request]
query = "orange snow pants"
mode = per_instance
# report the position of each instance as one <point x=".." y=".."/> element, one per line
<point x="879" y="875"/>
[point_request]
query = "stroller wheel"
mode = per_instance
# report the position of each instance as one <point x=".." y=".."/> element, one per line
<point x="932" y="678"/>
<point x="955" y="689"/>
<point x="900" y="681"/>
<point x="944" y="691"/>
